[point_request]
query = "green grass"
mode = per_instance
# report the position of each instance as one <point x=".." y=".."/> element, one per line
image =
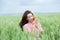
<point x="10" y="30"/>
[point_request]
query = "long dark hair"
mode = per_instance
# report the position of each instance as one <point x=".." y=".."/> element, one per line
<point x="24" y="19"/>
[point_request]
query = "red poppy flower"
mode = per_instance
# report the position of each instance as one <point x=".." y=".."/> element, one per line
<point x="33" y="18"/>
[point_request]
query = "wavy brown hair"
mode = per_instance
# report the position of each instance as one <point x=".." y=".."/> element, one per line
<point x="24" y="19"/>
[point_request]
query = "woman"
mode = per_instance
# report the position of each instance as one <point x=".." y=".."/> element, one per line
<point x="30" y="24"/>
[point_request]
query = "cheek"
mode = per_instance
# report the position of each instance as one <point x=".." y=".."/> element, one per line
<point x="29" y="19"/>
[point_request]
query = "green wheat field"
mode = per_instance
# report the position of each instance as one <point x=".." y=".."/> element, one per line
<point x="10" y="30"/>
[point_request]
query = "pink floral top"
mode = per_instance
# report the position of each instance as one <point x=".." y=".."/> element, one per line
<point x="31" y="28"/>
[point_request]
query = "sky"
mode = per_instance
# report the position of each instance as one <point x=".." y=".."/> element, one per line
<point x="19" y="6"/>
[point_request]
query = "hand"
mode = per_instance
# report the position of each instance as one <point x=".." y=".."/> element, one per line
<point x="35" y="22"/>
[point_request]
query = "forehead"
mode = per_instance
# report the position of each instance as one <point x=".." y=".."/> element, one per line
<point x="29" y="14"/>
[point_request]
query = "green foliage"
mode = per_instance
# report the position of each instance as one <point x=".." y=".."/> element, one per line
<point x="10" y="30"/>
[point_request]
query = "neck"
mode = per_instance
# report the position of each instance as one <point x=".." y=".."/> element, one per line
<point x="31" y="22"/>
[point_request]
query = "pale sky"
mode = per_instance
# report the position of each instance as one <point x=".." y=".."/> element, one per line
<point x="19" y="6"/>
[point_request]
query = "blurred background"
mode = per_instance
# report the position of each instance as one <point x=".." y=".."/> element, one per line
<point x="47" y="13"/>
<point x="13" y="7"/>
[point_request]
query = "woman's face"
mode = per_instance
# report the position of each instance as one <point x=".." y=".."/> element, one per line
<point x="29" y="17"/>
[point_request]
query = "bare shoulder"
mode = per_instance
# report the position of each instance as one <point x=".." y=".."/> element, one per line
<point x="25" y="26"/>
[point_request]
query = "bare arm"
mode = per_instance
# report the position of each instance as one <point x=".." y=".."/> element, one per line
<point x="38" y="25"/>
